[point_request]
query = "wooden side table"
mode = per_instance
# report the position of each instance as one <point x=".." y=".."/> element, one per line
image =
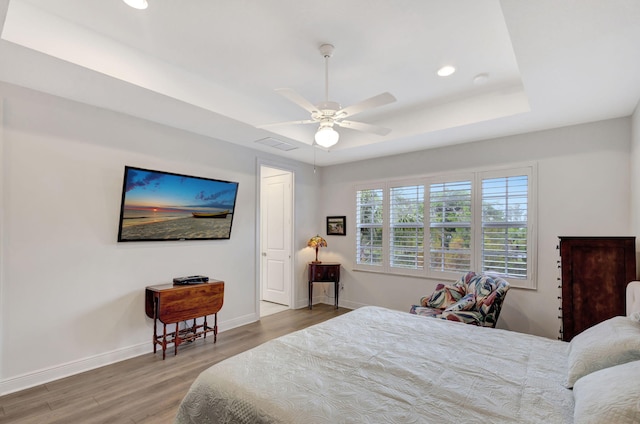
<point x="171" y="304"/>
<point x="324" y="272"/>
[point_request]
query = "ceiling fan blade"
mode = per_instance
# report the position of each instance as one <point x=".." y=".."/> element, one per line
<point x="277" y="124"/>
<point x="297" y="99"/>
<point x="370" y="103"/>
<point x="361" y="126"/>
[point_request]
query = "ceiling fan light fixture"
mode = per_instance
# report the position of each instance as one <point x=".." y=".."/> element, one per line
<point x="137" y="4"/>
<point x="326" y="137"/>
<point x="329" y="113"/>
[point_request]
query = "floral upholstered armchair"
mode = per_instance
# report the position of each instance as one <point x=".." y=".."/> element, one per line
<point x="473" y="299"/>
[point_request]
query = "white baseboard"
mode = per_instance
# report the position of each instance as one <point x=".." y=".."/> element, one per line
<point x="32" y="379"/>
<point x="238" y="322"/>
<point x="46" y="375"/>
<point x="329" y="301"/>
<point x="349" y="305"/>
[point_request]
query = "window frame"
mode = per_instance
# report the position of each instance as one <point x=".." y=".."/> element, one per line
<point x="475" y="177"/>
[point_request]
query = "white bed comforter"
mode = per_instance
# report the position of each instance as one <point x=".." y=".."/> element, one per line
<point x="375" y="365"/>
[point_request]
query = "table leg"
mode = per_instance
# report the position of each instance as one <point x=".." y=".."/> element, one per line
<point x="155" y="333"/>
<point x="310" y="294"/>
<point x="155" y="324"/>
<point x="215" y="327"/>
<point x="164" y="341"/>
<point x="204" y="327"/>
<point x="176" y="340"/>
<point x="337" y="290"/>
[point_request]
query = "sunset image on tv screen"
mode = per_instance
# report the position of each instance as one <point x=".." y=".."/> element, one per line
<point x="165" y="206"/>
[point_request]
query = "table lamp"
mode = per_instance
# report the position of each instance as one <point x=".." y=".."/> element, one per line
<point x="317" y="242"/>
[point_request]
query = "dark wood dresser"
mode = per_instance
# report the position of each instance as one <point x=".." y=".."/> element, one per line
<point x="171" y="304"/>
<point x="595" y="274"/>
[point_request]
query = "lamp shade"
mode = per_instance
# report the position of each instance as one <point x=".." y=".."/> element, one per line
<point x="326" y="136"/>
<point x="317" y="241"/>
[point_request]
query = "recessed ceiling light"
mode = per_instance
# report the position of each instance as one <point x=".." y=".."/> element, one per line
<point x="447" y="70"/>
<point x="481" y="79"/>
<point x="137" y="4"/>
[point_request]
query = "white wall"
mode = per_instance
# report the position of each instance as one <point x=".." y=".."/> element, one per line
<point x="583" y="188"/>
<point x="72" y="298"/>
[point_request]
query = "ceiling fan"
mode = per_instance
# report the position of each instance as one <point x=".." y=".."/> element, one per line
<point x="329" y="113"/>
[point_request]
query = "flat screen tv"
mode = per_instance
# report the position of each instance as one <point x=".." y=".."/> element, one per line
<point x="160" y="206"/>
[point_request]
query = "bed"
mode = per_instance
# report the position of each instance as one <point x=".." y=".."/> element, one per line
<point x="375" y="365"/>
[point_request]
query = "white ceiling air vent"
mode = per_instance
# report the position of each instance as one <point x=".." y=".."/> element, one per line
<point x="277" y="144"/>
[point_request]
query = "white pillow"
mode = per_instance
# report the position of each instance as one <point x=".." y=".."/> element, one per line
<point x="635" y="316"/>
<point x="611" y="395"/>
<point x="609" y="343"/>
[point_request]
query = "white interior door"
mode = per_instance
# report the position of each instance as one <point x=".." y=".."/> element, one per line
<point x="276" y="198"/>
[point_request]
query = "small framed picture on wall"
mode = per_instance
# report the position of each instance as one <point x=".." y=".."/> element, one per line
<point x="336" y="225"/>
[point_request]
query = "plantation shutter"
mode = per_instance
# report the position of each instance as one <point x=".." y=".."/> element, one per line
<point x="369" y="220"/>
<point x="450" y="226"/>
<point x="406" y="217"/>
<point x="504" y="225"/>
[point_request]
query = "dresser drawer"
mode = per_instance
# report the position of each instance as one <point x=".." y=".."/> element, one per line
<point x="324" y="272"/>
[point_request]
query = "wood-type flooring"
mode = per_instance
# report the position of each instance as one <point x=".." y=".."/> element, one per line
<point x="146" y="389"/>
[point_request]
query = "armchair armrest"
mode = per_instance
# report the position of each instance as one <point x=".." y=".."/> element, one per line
<point x="425" y="311"/>
<point x="467" y="317"/>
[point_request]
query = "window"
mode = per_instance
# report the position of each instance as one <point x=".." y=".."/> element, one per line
<point x="406" y="229"/>
<point x="479" y="221"/>
<point x="450" y="226"/>
<point x="504" y="225"/>
<point x="369" y="227"/>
